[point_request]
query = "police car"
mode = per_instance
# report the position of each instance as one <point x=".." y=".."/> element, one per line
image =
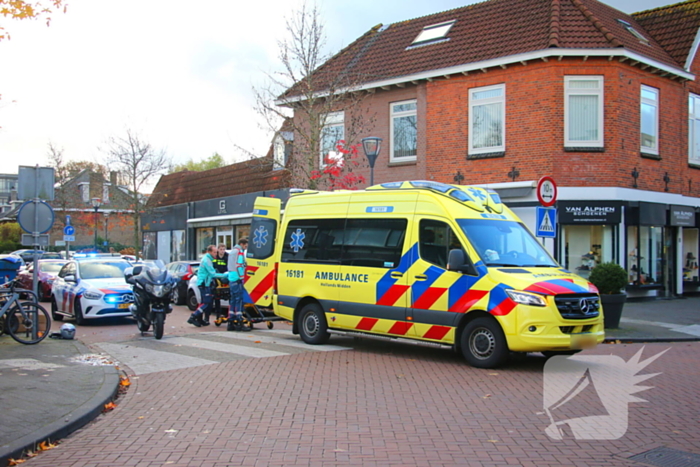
<point x="91" y="289"/>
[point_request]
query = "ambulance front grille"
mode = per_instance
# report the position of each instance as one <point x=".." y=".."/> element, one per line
<point x="578" y="306"/>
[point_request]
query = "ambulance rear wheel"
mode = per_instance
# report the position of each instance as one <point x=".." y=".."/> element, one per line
<point x="312" y="324"/>
<point x="483" y="343"/>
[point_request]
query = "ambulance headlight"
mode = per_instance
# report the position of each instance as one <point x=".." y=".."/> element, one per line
<point x="525" y="298"/>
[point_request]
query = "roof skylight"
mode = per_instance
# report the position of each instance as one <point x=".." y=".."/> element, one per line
<point x="633" y="31"/>
<point x="433" y="32"/>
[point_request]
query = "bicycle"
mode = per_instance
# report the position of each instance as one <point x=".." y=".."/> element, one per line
<point x="27" y="322"/>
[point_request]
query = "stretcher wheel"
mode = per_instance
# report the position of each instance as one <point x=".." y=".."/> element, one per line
<point x="270" y="325"/>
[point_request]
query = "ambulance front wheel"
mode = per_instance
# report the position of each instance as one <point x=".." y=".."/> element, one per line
<point x="483" y="343"/>
<point x="312" y="324"/>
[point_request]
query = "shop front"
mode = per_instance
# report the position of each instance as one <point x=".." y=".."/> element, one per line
<point x="589" y="234"/>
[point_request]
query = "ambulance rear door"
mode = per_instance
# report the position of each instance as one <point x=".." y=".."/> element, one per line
<point x="260" y="268"/>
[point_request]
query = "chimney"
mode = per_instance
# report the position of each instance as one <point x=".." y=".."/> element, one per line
<point x="113" y="178"/>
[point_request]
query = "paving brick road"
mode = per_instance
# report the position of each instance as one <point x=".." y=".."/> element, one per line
<point x="379" y="404"/>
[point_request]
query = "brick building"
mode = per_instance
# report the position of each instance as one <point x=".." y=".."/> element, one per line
<point x="503" y="92"/>
<point x="190" y="210"/>
<point x="112" y="221"/>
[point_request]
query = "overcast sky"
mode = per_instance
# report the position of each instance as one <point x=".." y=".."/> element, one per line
<point x="179" y="73"/>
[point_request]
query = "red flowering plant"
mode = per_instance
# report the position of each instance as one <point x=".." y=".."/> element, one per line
<point x="338" y="168"/>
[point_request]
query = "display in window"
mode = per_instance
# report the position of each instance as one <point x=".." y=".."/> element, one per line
<point x="690" y="269"/>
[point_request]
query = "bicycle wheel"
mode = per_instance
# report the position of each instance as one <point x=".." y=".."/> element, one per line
<point x="30" y="325"/>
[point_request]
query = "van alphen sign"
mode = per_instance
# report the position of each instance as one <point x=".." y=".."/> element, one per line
<point x="589" y="212"/>
<point x="683" y="216"/>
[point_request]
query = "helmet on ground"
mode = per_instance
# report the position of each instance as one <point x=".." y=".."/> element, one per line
<point x="67" y="331"/>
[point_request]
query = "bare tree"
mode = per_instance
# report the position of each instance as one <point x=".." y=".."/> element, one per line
<point x="138" y="163"/>
<point x="323" y="97"/>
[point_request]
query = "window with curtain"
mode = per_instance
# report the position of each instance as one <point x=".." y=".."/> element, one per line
<point x="649" y="120"/>
<point x="332" y="132"/>
<point x="487" y="111"/>
<point x="404" y="131"/>
<point x="694" y="129"/>
<point x="583" y="112"/>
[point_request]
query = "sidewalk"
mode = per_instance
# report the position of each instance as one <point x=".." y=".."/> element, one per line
<point x="49" y="390"/>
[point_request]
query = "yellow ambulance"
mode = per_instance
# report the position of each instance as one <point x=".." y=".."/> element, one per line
<point x="417" y="260"/>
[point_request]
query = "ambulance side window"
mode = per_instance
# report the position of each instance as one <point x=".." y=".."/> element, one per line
<point x="313" y="241"/>
<point x="435" y="240"/>
<point x="375" y="243"/>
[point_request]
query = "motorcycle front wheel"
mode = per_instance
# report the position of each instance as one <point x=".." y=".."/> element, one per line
<point x="158" y="325"/>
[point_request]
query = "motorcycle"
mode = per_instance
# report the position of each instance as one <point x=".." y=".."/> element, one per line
<point x="153" y="287"/>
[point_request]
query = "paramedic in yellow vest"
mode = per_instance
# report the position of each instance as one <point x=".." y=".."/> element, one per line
<point x="236" y="270"/>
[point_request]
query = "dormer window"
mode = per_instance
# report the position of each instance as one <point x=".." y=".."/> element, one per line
<point x="433" y="33"/>
<point x="633" y="31"/>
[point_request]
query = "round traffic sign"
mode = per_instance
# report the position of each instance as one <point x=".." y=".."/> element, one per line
<point x="69" y="230"/>
<point x="547" y="191"/>
<point x="35" y="217"/>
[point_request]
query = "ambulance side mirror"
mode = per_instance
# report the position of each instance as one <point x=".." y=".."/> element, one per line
<point x="457" y="261"/>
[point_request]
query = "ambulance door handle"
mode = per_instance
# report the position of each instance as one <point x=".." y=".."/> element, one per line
<point x="250" y="273"/>
<point x="396" y="275"/>
<point x="422" y="277"/>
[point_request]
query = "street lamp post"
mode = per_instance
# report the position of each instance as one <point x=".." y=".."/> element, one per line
<point x="96" y="202"/>
<point x="106" y="214"/>
<point x="371" y="145"/>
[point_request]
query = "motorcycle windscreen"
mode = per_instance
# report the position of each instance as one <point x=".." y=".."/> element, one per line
<point x="260" y="264"/>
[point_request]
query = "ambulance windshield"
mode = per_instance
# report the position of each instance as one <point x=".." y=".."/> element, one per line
<point x="505" y="243"/>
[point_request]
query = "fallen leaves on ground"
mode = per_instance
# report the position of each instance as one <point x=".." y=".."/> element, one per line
<point x="109" y="406"/>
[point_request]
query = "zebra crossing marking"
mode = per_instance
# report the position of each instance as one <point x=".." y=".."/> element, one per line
<point x="143" y="361"/>
<point x="221" y="347"/>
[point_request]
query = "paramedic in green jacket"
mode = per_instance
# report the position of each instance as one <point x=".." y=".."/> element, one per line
<point x="205" y="276"/>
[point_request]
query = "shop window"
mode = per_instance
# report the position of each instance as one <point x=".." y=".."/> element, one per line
<point x="690" y="257"/>
<point x="645" y="256"/>
<point x="586" y="246"/>
<point x="243" y="231"/>
<point x="178" y="250"/>
<point x="205" y="237"/>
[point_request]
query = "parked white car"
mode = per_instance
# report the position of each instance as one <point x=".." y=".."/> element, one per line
<point x="91" y="289"/>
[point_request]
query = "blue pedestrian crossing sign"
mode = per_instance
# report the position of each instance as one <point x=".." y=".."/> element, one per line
<point x="546" y="222"/>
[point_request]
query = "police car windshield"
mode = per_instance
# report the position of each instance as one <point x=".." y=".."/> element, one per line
<point x="505" y="243"/>
<point x="103" y="270"/>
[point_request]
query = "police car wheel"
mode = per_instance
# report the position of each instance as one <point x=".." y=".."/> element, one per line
<point x="312" y="325"/>
<point x="484" y="344"/>
<point x="54" y="311"/>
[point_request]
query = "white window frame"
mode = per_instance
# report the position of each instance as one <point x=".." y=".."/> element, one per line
<point x="486" y="101"/>
<point x="568" y="93"/>
<point x="399" y="114"/>
<point x="655" y="104"/>
<point x="330" y="120"/>
<point x="433" y="32"/>
<point x="85" y="191"/>
<point x="693" y="128"/>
